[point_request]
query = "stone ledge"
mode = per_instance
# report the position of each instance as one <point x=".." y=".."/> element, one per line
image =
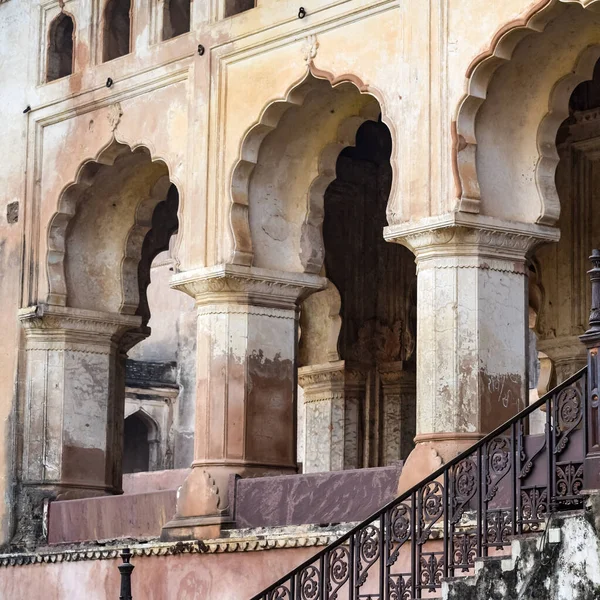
<point x="241" y="540"/>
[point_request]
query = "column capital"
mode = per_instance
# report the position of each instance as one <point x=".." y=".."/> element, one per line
<point x="247" y="285"/>
<point x="60" y="327"/>
<point x="394" y="374"/>
<point x="472" y="240"/>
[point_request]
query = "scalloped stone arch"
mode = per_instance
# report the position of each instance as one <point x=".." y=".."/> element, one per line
<point x="480" y="74"/>
<point x="68" y="203"/>
<point x="558" y="112"/>
<point x="268" y="121"/>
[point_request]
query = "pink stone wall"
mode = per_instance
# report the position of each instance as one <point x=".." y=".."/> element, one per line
<point x="235" y="576"/>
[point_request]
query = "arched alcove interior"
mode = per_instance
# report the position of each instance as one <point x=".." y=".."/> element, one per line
<point x="60" y="47"/>
<point x="513" y="112"/>
<point x="139" y="433"/>
<point x="561" y="268"/>
<point x="235" y="7"/>
<point x="317" y="197"/>
<point x="117" y="29"/>
<point x="105" y="239"/>
<point x="176" y="18"/>
<point x="290" y="162"/>
<point x="370" y="302"/>
<point x="119" y="214"/>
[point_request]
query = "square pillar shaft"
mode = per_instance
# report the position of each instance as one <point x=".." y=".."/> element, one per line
<point x="333" y="393"/>
<point x="472" y="325"/>
<point x="246" y="386"/>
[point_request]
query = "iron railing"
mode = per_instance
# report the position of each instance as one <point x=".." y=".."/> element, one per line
<point x="506" y="484"/>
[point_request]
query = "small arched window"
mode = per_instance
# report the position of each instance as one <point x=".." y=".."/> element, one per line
<point x="176" y="18"/>
<point x="60" y="48"/>
<point x="235" y="7"/>
<point x="136" y="447"/>
<point x="117" y="29"/>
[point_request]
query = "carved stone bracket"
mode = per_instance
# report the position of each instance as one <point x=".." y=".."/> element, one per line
<point x="63" y="328"/>
<point x="471" y="241"/>
<point x="247" y="285"/>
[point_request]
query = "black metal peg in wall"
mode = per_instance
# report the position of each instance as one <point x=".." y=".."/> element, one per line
<point x="201" y="50"/>
<point x="302" y="12"/>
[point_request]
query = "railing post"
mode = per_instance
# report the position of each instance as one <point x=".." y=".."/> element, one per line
<point x="126" y="569"/>
<point x="591" y="421"/>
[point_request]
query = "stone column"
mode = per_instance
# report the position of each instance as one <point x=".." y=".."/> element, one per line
<point x="472" y="323"/>
<point x="246" y="386"/>
<point x="333" y="393"/>
<point x="399" y="390"/>
<point x="71" y="409"/>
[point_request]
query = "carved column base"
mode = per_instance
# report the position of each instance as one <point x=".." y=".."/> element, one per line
<point x="245" y="387"/>
<point x="333" y="393"/>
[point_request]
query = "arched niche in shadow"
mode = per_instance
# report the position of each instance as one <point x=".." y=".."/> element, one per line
<point x="176" y="18"/>
<point x="117" y="29"/>
<point x="140" y="433"/>
<point x="60" y="47"/>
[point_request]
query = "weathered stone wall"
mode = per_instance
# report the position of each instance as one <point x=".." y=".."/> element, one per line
<point x="15" y="26"/>
<point x="564" y="565"/>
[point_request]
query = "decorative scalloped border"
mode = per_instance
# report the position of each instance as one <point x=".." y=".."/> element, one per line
<point x="479" y="75"/>
<point x="250" y="146"/>
<point x="67" y="207"/>
<point x="172" y="549"/>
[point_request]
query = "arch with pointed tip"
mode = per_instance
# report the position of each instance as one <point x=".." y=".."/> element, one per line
<point x="91" y="172"/>
<point x="296" y="96"/>
<point x="480" y="74"/>
<point x="61" y="43"/>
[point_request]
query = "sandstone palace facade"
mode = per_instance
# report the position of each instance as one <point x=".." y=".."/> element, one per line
<point x="264" y="264"/>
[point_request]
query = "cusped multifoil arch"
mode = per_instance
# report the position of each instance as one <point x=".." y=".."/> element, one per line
<point x="370" y="107"/>
<point x="480" y="77"/>
<point x="69" y="202"/>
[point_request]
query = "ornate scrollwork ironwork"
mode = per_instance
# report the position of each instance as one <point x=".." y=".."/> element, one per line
<point x="280" y="593"/>
<point x="430" y="507"/>
<point x="339" y="570"/>
<point x="309" y="584"/>
<point x="400" y="587"/>
<point x="534" y="506"/>
<point x="368" y="552"/>
<point x="431" y="570"/>
<point x="464" y="485"/>
<point x="569" y="479"/>
<point x="569" y="414"/>
<point x="399" y="530"/>
<point x="498" y="465"/>
<point x="464" y="550"/>
<point x="498" y="528"/>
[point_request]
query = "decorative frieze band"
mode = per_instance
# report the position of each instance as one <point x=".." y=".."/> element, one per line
<point x="305" y="539"/>
<point x="246" y="309"/>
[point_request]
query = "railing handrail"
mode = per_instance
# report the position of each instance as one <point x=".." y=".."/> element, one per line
<point x="435" y="475"/>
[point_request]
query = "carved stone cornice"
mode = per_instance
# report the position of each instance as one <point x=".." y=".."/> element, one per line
<point x="462" y="240"/>
<point x="235" y="284"/>
<point x="60" y="328"/>
<point x="244" y="541"/>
